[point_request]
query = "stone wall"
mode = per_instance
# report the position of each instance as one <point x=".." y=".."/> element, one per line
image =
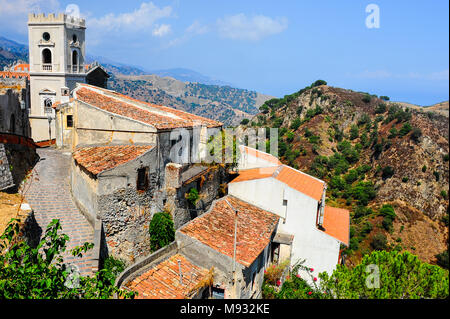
<point x="14" y="104"/>
<point x="15" y="162"/>
<point x="208" y="181"/>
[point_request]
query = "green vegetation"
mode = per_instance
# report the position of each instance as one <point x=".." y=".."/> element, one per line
<point x="387" y="211"/>
<point x="442" y="259"/>
<point x="379" y="275"/>
<point x="387" y="172"/>
<point x="28" y="272"/>
<point x="161" y="230"/>
<point x="245" y="121"/>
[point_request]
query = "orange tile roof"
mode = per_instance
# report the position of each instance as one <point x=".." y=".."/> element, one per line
<point x="259" y="154"/>
<point x="336" y="222"/>
<point x="22" y="67"/>
<point x="295" y="179"/>
<point x="216" y="229"/>
<point x="301" y="182"/>
<point x="255" y="173"/>
<point x="163" y="280"/>
<point x="161" y="117"/>
<point x="9" y="74"/>
<point x="97" y="159"/>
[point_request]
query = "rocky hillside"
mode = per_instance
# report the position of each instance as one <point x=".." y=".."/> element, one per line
<point x="385" y="162"/>
<point x="223" y="103"/>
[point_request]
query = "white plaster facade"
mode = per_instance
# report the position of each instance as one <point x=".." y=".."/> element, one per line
<point x="56" y="55"/>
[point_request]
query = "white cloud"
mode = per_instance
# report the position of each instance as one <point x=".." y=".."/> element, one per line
<point x="197" y="28"/>
<point x="143" y="18"/>
<point x="14" y="13"/>
<point x="241" y="27"/>
<point x="161" y="30"/>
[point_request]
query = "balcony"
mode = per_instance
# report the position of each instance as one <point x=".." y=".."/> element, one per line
<point x="76" y="68"/>
<point x="47" y="67"/>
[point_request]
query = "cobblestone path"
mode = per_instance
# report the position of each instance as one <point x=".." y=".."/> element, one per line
<point x="50" y="198"/>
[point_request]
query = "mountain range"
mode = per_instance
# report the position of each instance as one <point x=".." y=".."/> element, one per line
<point x="180" y="88"/>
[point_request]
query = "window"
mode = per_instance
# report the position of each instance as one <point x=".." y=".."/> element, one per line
<point x="46" y="56"/>
<point x="74" y="38"/>
<point x="12" y="124"/>
<point x="48" y="105"/>
<point x="69" y="121"/>
<point x="46" y="36"/>
<point x="74" y="58"/>
<point x="142" y="179"/>
<point x="218" y="293"/>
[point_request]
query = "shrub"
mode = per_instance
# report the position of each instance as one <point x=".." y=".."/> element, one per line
<point x="366" y="98"/>
<point x="387" y="211"/>
<point x="405" y="179"/>
<point x="424" y="168"/>
<point x="445" y="157"/>
<point x="245" y="121"/>
<point x="406" y="128"/>
<point x="364" y="119"/>
<point x="384" y="98"/>
<point x="161" y="230"/>
<point x="388" y="172"/>
<point x="296" y="123"/>
<point x="442" y="259"/>
<point x="273" y="272"/>
<point x="354" y="132"/>
<point x="436" y="175"/>
<point x="319" y="82"/>
<point x="416" y="134"/>
<point x="381" y="108"/>
<point x="379" y="242"/>
<point x="351" y="176"/>
<point x="361" y="211"/>
<point x="39" y="272"/>
<point x="290" y="136"/>
<point x="444" y="194"/>
<point x="193" y="196"/>
<point x="402" y="276"/>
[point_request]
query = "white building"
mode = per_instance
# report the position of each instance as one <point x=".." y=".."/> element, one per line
<point x="316" y="231"/>
<point x="57" y="58"/>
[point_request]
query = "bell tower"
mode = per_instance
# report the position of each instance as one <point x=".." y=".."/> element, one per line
<point x="57" y="63"/>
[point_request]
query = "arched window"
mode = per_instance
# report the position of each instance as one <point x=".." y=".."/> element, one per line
<point x="48" y="105"/>
<point x="74" y="57"/>
<point x="46" y="56"/>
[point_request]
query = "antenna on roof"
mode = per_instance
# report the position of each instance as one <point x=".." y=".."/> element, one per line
<point x="235" y="235"/>
<point x="181" y="274"/>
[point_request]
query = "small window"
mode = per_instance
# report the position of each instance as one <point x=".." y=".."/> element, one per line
<point x="46" y="36"/>
<point x="218" y="293"/>
<point x="142" y="179"/>
<point x="69" y="121"/>
<point x="74" y="38"/>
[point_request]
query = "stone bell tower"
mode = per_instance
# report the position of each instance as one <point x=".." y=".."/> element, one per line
<point x="57" y="63"/>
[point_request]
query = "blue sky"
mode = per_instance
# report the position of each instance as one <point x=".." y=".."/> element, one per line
<point x="273" y="47"/>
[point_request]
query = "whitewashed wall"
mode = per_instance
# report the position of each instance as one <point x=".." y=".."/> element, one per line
<point x="320" y="250"/>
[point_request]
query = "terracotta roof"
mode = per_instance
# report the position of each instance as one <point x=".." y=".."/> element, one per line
<point x="302" y="182"/>
<point x="22" y="67"/>
<point x="295" y="179"/>
<point x="97" y="159"/>
<point x="216" y="229"/>
<point x="9" y="74"/>
<point x="259" y="154"/>
<point x="161" y="117"/>
<point x="255" y="173"/>
<point x="336" y="222"/>
<point x="163" y="280"/>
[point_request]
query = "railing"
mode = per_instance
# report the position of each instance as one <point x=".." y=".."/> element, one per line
<point x="46" y="67"/>
<point x="76" y="68"/>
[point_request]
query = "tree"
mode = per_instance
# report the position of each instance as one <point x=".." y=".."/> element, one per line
<point x="245" y="121"/>
<point x="401" y="276"/>
<point x="39" y="272"/>
<point x="161" y="230"/>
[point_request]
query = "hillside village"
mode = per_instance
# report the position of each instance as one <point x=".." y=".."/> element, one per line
<point x="121" y="173"/>
<point x="110" y="166"/>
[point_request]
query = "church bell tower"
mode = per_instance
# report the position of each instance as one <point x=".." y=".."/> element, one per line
<point x="57" y="63"/>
